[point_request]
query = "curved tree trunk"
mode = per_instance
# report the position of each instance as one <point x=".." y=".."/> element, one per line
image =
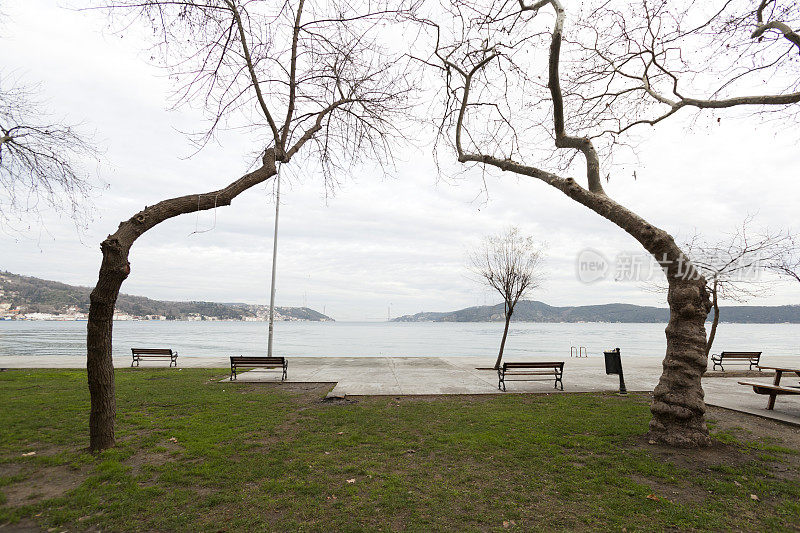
<point x="114" y="270"/>
<point x="713" y="332"/>
<point x="509" y="312"/>
<point x="99" y="364"/>
<point x="678" y="407"/>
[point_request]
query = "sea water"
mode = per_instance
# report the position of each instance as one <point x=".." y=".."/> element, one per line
<point x="214" y="339"/>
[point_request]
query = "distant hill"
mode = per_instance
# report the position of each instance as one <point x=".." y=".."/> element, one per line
<point x="533" y="311"/>
<point x="24" y="294"/>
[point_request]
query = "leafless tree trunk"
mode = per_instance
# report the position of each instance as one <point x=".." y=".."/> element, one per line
<point x="320" y="62"/>
<point x="490" y="95"/>
<point x="715" y="305"/>
<point x="508" y="312"/>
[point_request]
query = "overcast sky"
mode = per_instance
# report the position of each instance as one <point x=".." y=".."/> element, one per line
<point x="379" y="242"/>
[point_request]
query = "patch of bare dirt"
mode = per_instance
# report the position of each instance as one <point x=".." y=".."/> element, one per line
<point x="749" y="429"/>
<point x="753" y="431"/>
<point x="43" y="484"/>
<point x="337" y="400"/>
<point x="681" y="492"/>
<point x="143" y="458"/>
<point x="754" y="428"/>
<point x="697" y="459"/>
<point x="23" y="526"/>
<point x="311" y="390"/>
<point x="10" y="469"/>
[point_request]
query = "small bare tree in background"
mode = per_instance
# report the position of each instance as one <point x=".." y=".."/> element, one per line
<point x="40" y="157"/>
<point x="510" y="263"/>
<point x="732" y="267"/>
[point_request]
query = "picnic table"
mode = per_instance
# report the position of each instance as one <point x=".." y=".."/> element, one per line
<point x="776" y="388"/>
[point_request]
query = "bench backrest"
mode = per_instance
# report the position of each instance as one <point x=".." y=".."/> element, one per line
<point x="256" y="360"/>
<point x="740" y="355"/>
<point x="151" y="351"/>
<point x="554" y="364"/>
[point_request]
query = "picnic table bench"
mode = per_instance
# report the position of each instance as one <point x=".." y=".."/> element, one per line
<point x="554" y="369"/>
<point x="775" y="389"/>
<point x="154" y="353"/>
<point x="750" y="358"/>
<point x="247" y="361"/>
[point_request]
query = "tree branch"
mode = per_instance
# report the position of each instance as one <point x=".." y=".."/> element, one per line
<point x="292" y="74"/>
<point x="253" y="77"/>
<point x="584" y="144"/>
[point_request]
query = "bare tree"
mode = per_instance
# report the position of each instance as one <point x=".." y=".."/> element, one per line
<point x="788" y="263"/>
<point x="300" y="75"/>
<point x="510" y="263"/>
<point x="41" y="157"/>
<point x="505" y="108"/>
<point x="732" y="267"/>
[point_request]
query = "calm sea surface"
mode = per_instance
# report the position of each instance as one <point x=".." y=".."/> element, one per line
<point x="359" y="339"/>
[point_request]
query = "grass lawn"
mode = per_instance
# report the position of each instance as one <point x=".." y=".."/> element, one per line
<point x="197" y="455"/>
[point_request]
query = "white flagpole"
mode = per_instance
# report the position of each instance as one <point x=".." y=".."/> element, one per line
<point x="274" y="261"/>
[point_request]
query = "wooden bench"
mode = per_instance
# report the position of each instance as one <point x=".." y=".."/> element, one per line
<point x="554" y="369"/>
<point x="246" y="361"/>
<point x="154" y="353"/>
<point x="750" y="358"/>
<point x="772" y="390"/>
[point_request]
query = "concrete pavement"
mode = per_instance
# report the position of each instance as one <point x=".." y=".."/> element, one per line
<point x="359" y="376"/>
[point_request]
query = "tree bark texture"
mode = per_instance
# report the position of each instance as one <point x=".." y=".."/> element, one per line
<point x="713" y="332"/>
<point x="509" y="312"/>
<point x="678" y="406"/>
<point x="114" y="269"/>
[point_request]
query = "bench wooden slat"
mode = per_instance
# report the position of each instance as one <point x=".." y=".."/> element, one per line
<point x="154" y="353"/>
<point x="768" y="388"/>
<point x="543" y="373"/>
<point x="248" y="361"/>
<point x="751" y="358"/>
<point x="529" y="368"/>
<point x="537" y="364"/>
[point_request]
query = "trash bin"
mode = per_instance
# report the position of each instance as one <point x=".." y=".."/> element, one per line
<point x="614" y="366"/>
<point x="613" y="362"/>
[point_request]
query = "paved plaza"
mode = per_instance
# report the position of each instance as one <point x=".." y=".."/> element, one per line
<point x="360" y="376"/>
